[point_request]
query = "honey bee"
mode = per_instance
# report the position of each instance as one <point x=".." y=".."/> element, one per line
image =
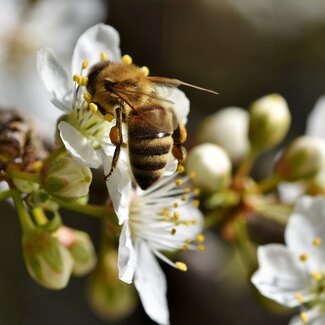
<point x="126" y="92"/>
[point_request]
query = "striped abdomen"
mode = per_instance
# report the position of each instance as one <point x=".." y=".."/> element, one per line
<point x="149" y="146"/>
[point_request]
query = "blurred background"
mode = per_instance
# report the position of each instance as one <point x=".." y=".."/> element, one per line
<point x="242" y="49"/>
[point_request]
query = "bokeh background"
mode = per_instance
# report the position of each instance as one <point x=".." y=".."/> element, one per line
<point x="243" y="50"/>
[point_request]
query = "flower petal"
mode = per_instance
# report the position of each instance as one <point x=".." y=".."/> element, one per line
<point x="182" y="105"/>
<point x="315" y="126"/>
<point x="314" y="315"/>
<point x="96" y="39"/>
<point x="55" y="79"/>
<point x="150" y="282"/>
<point x="305" y="224"/>
<point x="290" y="192"/>
<point x="78" y="146"/>
<point x="119" y="187"/>
<point x="126" y="255"/>
<point x="279" y="276"/>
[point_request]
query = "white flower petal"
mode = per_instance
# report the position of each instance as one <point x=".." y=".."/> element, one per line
<point x="305" y="224"/>
<point x="96" y="39"/>
<point x="182" y="105"/>
<point x="171" y="166"/>
<point x="78" y="146"/>
<point x="315" y="121"/>
<point x="119" y="187"/>
<point x="151" y="285"/>
<point x="314" y="315"/>
<point x="290" y="192"/>
<point x="279" y="276"/>
<point x="126" y="255"/>
<point x="55" y="79"/>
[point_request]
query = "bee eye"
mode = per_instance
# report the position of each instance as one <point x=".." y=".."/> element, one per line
<point x="108" y="84"/>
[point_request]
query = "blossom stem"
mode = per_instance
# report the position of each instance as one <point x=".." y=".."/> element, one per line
<point x="215" y="218"/>
<point x="6" y="194"/>
<point x="89" y="209"/>
<point x="16" y="173"/>
<point x="25" y="219"/>
<point x="268" y="184"/>
<point x="245" y="167"/>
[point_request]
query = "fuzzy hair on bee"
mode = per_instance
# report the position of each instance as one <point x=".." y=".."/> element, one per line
<point x="126" y="92"/>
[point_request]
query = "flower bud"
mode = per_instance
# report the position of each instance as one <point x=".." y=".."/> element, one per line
<point x="227" y="128"/>
<point x="65" y="178"/>
<point x="80" y="247"/>
<point x="48" y="262"/>
<point x="211" y="165"/>
<point x="269" y="122"/>
<point x="304" y="158"/>
<point x="110" y="298"/>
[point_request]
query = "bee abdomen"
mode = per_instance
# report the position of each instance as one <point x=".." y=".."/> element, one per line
<point x="148" y="158"/>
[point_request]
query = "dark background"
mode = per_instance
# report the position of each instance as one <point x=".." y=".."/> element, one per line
<point x="208" y="44"/>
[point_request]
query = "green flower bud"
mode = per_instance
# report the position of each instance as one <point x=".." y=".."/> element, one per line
<point x="269" y="122"/>
<point x="65" y="178"/>
<point x="81" y="249"/>
<point x="303" y="159"/>
<point x="110" y="298"/>
<point x="48" y="262"/>
<point x="211" y="166"/>
<point x="25" y="186"/>
<point x="227" y="128"/>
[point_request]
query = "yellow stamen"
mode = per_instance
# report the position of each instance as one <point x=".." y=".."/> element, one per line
<point x="196" y="191"/>
<point x="192" y="175"/>
<point x="178" y="182"/>
<point x="84" y="81"/>
<point x="194" y="222"/>
<point x="187" y="190"/>
<point x="181" y="266"/>
<point x="87" y="97"/>
<point x="173" y="231"/>
<point x="176" y="215"/>
<point x="303" y="257"/>
<point x="188" y="240"/>
<point x="187" y="222"/>
<point x="93" y="107"/>
<point x="180" y="169"/>
<point x="108" y="117"/>
<point x="103" y="56"/>
<point x="175" y="205"/>
<point x="145" y="70"/>
<point x="200" y="238"/>
<point x="126" y="59"/>
<point x="165" y="212"/>
<point x="185" y="247"/>
<point x="317" y="241"/>
<point x="196" y="203"/>
<point x="201" y="248"/>
<point x="77" y="78"/>
<point x="316" y="276"/>
<point x="299" y="297"/>
<point x="85" y="64"/>
<point x="183" y="198"/>
<point x="304" y="317"/>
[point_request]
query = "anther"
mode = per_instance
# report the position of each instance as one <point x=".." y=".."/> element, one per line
<point x="165" y="212"/>
<point x="200" y="238"/>
<point x="316" y="276"/>
<point x="108" y="117"/>
<point x="145" y="70"/>
<point x="187" y="222"/>
<point x="93" y="107"/>
<point x="87" y="97"/>
<point x="103" y="56"/>
<point x="183" y="197"/>
<point x="299" y="297"/>
<point x="84" y="81"/>
<point x="303" y="257"/>
<point x="77" y="78"/>
<point x="196" y="203"/>
<point x="126" y="59"/>
<point x="175" y="205"/>
<point x="187" y="190"/>
<point x="196" y="191"/>
<point x="185" y="247"/>
<point x="304" y="317"/>
<point x="180" y="169"/>
<point x="181" y="266"/>
<point x="188" y="240"/>
<point x="178" y="182"/>
<point x="173" y="231"/>
<point x="317" y="241"/>
<point x="201" y="248"/>
<point x="192" y="175"/>
<point x="194" y="222"/>
<point x="85" y="64"/>
<point x="176" y="215"/>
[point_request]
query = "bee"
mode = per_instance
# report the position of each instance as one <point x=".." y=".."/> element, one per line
<point x="126" y="92"/>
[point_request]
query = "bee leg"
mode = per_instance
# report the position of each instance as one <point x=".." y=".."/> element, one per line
<point x="117" y="139"/>
<point x="179" y="137"/>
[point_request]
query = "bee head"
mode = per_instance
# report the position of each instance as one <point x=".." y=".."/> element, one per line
<point x="93" y="74"/>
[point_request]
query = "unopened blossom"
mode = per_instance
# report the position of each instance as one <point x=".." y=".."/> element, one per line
<point x="293" y="275"/>
<point x="83" y="130"/>
<point x="25" y="27"/>
<point x="161" y="219"/>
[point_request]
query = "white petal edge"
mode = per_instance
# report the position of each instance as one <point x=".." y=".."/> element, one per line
<point x="315" y="124"/>
<point x="78" y="146"/>
<point x="119" y="187"/>
<point x="182" y="105"/>
<point x="55" y="79"/>
<point x="151" y="284"/>
<point x="126" y="255"/>
<point x="96" y="39"/>
<point x="314" y="318"/>
<point x="279" y="276"/>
